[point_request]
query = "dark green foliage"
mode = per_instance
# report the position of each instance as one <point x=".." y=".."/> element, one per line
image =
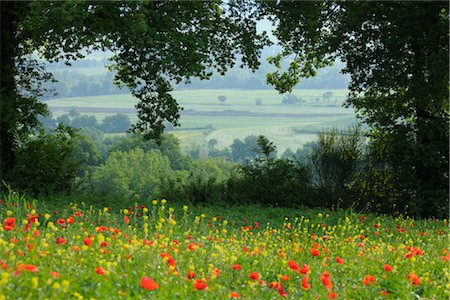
<point x="271" y="181"/>
<point x="48" y="163"/>
<point x="84" y="121"/>
<point x="397" y="54"/>
<point x="246" y="151"/>
<point x="336" y="161"/>
<point x="115" y="123"/>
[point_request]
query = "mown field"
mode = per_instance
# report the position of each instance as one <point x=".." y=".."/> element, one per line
<point x="205" y="118"/>
<point x="165" y="250"/>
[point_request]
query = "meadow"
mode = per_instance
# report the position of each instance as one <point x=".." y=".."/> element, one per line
<point x="205" y="118"/>
<point x="168" y="250"/>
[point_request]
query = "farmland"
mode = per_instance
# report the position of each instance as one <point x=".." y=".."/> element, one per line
<point x="168" y="250"/>
<point x="205" y="118"/>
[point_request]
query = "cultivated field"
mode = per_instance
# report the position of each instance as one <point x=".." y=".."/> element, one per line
<point x="205" y="118"/>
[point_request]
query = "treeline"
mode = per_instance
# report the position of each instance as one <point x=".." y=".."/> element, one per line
<point x="343" y="169"/>
<point x="111" y="124"/>
<point x="70" y="82"/>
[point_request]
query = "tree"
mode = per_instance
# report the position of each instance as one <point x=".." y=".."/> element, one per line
<point x="397" y="56"/>
<point x="290" y="99"/>
<point x="115" y="123"/>
<point x="222" y="98"/>
<point x="156" y="43"/>
<point x="327" y="96"/>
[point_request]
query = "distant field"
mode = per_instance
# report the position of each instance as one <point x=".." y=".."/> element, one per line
<point x="205" y="118"/>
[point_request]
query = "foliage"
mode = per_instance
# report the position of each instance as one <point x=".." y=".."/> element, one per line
<point x="129" y="174"/>
<point x="50" y="162"/>
<point x="271" y="181"/>
<point x="336" y="160"/>
<point x="115" y="123"/>
<point x="169" y="147"/>
<point x="290" y="99"/>
<point x="151" y="40"/>
<point x="398" y="59"/>
<point x="222" y="98"/>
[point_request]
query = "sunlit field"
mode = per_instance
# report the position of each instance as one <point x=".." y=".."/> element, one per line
<point x="160" y="250"/>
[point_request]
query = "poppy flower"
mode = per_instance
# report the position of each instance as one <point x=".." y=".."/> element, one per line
<point x="305" y="285"/>
<point x="9" y="224"/>
<point x="305" y="269"/>
<point x="254" y="276"/>
<point x="61" y="221"/>
<point x="200" y="285"/>
<point x="30" y="268"/>
<point x="368" y="280"/>
<point x="387" y="268"/>
<point x="237" y="267"/>
<point x="60" y="241"/>
<point x="235" y="295"/>
<point x="54" y="274"/>
<point x="148" y="284"/>
<point x="99" y="271"/>
<point x="191" y="275"/>
<point x="415" y="280"/>
<point x="332" y="295"/>
<point x="284" y="277"/>
<point x="325" y="278"/>
<point x="126" y="220"/>
<point x="87" y="241"/>
<point x="339" y="260"/>
<point x="315" y="252"/>
<point x="293" y="265"/>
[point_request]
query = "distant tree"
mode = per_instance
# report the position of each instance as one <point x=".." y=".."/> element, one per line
<point x="222" y="98"/>
<point x="258" y="102"/>
<point x="115" y="123"/>
<point x="212" y="143"/>
<point x="327" y="96"/>
<point x="84" y="121"/>
<point x="244" y="151"/>
<point x="64" y="120"/>
<point x="290" y="99"/>
<point x="73" y="113"/>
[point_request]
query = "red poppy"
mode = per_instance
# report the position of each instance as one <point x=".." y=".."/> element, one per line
<point x="415" y="280"/>
<point x="32" y="218"/>
<point x="293" y="265"/>
<point x="235" y="295"/>
<point x="99" y="271"/>
<point x="70" y="220"/>
<point x="61" y="221"/>
<point x="191" y="275"/>
<point x="305" y="285"/>
<point x="54" y="274"/>
<point x="30" y="268"/>
<point x="305" y="269"/>
<point x="126" y="219"/>
<point x="237" y="267"/>
<point x="332" y="295"/>
<point x="9" y="224"/>
<point x="339" y="260"/>
<point x="387" y="268"/>
<point x="60" y="241"/>
<point x="200" y="285"/>
<point x="315" y="252"/>
<point x="284" y="277"/>
<point x="87" y="241"/>
<point x="325" y="278"/>
<point x="368" y="280"/>
<point x="254" y="276"/>
<point x="148" y="284"/>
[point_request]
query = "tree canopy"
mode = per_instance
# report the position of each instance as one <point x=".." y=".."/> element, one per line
<point x="155" y="44"/>
<point x="397" y="56"/>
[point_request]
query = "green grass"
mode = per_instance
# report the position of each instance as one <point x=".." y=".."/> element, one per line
<point x="58" y="249"/>
<point x="289" y="126"/>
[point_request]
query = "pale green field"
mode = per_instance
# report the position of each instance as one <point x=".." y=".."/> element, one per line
<point x="289" y="126"/>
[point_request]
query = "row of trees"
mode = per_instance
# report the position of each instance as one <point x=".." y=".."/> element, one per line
<point x="395" y="52"/>
<point x="110" y="124"/>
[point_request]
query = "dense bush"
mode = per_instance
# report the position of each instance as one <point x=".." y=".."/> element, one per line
<point x="126" y="174"/>
<point x="49" y="163"/>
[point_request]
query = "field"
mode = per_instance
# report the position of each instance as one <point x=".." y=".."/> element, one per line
<point x="205" y="118"/>
<point x="164" y="250"/>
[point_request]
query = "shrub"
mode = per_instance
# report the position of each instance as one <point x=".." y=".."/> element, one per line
<point x="126" y="174"/>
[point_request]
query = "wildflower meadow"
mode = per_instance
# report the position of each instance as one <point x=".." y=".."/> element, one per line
<point x="162" y="250"/>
